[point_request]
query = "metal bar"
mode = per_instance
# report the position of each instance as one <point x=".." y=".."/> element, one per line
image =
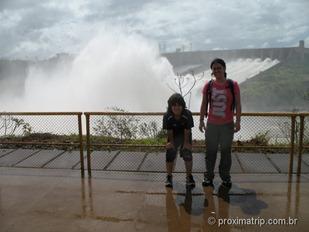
<point x="293" y="120"/>
<point x="194" y="146"/>
<point x="39" y="143"/>
<point x="88" y="144"/>
<point x="81" y="149"/>
<point x="40" y="113"/>
<point x="300" y="146"/>
<point x="146" y="113"/>
<point x="283" y="114"/>
<point x="127" y="113"/>
<point x="138" y="145"/>
<point x="305" y="114"/>
<point x="277" y="114"/>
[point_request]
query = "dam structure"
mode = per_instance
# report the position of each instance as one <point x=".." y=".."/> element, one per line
<point x="25" y="82"/>
<point x="195" y="62"/>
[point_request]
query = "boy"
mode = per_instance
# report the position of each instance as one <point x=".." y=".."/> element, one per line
<point x="178" y="122"/>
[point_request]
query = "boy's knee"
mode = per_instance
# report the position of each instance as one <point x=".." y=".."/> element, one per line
<point x="186" y="154"/>
<point x="171" y="155"/>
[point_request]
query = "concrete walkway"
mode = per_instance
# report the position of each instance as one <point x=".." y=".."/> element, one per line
<point x="49" y="200"/>
<point x="143" y="161"/>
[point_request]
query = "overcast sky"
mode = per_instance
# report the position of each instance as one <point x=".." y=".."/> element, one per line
<point x="40" y="29"/>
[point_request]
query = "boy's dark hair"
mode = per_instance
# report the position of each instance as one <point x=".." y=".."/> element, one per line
<point x="176" y="98"/>
<point x="218" y="61"/>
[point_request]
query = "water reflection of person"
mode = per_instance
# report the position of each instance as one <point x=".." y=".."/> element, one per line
<point x="210" y="213"/>
<point x="209" y="210"/>
<point x="178" y="219"/>
<point x="224" y="205"/>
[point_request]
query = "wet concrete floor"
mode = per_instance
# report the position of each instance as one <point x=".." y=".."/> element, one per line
<point x="59" y="200"/>
<point x="144" y="161"/>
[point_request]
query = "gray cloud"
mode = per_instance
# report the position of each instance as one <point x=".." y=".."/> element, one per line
<point x="43" y="28"/>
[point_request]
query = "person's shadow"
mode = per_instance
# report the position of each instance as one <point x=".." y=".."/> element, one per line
<point x="246" y="199"/>
<point x="225" y="197"/>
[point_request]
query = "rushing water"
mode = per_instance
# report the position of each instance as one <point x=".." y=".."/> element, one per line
<point x="115" y="70"/>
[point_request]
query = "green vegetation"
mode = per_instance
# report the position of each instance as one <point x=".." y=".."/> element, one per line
<point x="41" y="141"/>
<point x="258" y="143"/>
<point x="284" y="87"/>
<point x="9" y="125"/>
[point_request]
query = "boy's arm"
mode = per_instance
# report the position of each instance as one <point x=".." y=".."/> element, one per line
<point x="170" y="139"/>
<point x="170" y="135"/>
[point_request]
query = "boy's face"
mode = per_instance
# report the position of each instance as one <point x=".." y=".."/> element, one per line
<point x="177" y="109"/>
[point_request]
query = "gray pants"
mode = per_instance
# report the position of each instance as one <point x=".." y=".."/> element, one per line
<point x="219" y="135"/>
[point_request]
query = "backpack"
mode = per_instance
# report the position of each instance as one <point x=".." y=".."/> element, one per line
<point x="231" y="87"/>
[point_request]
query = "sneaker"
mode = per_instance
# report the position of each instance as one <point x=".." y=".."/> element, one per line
<point x="169" y="181"/>
<point x="190" y="181"/>
<point x="207" y="183"/>
<point x="227" y="184"/>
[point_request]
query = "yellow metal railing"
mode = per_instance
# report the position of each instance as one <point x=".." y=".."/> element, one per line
<point x="290" y="146"/>
<point x="12" y="117"/>
<point x="294" y="127"/>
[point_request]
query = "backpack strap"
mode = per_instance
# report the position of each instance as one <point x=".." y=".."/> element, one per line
<point x="209" y="95"/>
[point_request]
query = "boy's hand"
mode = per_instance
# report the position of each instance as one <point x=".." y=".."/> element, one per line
<point x="169" y="146"/>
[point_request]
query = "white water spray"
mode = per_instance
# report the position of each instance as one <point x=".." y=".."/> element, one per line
<point x="113" y="70"/>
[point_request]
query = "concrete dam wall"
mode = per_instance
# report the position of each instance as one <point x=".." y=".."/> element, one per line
<point x="198" y="61"/>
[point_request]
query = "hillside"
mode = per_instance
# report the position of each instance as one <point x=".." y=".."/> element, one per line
<point x="284" y="87"/>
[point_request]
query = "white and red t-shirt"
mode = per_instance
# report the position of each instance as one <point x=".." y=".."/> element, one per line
<point x="220" y="109"/>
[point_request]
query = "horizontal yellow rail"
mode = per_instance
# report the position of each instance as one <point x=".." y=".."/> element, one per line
<point x="40" y="113"/>
<point x="196" y="113"/>
<point x="150" y="113"/>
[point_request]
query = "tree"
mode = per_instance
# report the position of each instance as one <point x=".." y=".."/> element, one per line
<point x="117" y="126"/>
<point x="149" y="130"/>
<point x="9" y="125"/>
<point x="184" y="84"/>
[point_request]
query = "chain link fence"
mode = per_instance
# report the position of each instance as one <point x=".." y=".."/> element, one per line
<point x="40" y="140"/>
<point x="122" y="141"/>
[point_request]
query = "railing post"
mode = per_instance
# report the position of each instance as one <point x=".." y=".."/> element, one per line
<point x="88" y="144"/>
<point x="293" y="120"/>
<point x="300" y="145"/>
<point x="81" y="149"/>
